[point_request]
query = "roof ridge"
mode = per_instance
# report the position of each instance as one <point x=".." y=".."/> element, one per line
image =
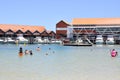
<point x="20" y="25"/>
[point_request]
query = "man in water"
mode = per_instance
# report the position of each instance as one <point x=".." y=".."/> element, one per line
<point x="20" y="51"/>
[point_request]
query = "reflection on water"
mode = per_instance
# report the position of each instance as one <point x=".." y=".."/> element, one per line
<point x="60" y="63"/>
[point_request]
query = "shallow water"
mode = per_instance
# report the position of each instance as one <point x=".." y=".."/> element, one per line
<point x="61" y="63"/>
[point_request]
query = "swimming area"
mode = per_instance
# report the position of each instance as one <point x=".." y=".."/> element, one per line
<point x="60" y="63"/>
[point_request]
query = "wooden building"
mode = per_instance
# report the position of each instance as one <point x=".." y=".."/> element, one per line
<point x="9" y="30"/>
<point x="61" y="29"/>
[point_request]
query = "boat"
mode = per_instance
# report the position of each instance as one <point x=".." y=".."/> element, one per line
<point x="99" y="39"/>
<point x="46" y="41"/>
<point x="55" y="41"/>
<point x="78" y="42"/>
<point x="65" y="41"/>
<point x="21" y="40"/>
<point x="110" y="39"/>
<point x="9" y="40"/>
<point x="38" y="40"/>
<point x="1" y="41"/>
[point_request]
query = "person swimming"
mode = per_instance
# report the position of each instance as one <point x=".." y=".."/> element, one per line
<point x="53" y="51"/>
<point x="113" y="53"/>
<point x="26" y="52"/>
<point x="38" y="49"/>
<point x="31" y="52"/>
<point x="46" y="53"/>
<point x="49" y="48"/>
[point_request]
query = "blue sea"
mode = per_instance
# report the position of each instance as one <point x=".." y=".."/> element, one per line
<point x="57" y="62"/>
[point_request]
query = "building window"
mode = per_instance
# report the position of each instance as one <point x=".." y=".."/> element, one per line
<point x="61" y="28"/>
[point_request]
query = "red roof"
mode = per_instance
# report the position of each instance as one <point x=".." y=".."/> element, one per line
<point x="95" y="21"/>
<point x="23" y="28"/>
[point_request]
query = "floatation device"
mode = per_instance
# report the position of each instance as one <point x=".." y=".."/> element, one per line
<point x="113" y="54"/>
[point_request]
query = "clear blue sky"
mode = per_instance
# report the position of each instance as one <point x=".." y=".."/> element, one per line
<point x="48" y="12"/>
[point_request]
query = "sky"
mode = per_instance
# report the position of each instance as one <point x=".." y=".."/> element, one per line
<point x="49" y="12"/>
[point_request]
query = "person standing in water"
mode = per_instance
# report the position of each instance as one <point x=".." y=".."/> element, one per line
<point x="20" y="52"/>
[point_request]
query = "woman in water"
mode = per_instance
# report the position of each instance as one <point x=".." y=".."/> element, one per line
<point x="113" y="53"/>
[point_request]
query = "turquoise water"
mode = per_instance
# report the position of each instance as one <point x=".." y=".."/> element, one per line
<point x="61" y="63"/>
